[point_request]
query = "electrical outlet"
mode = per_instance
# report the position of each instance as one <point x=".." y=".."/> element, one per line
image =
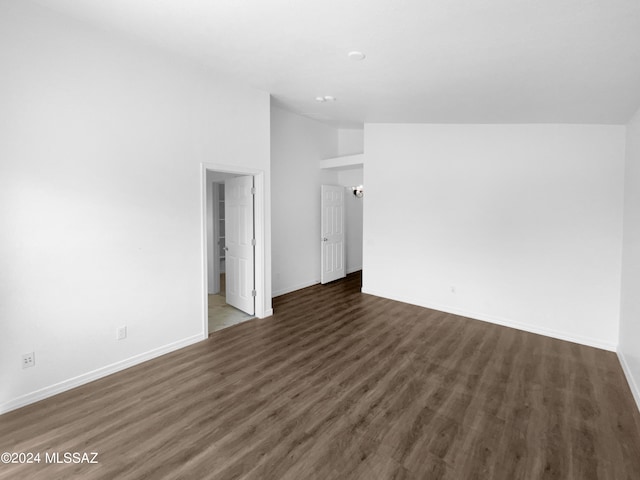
<point x="28" y="360"/>
<point x="121" y="333"/>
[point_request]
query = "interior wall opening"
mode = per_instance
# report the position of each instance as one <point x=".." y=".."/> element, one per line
<point x="234" y="241"/>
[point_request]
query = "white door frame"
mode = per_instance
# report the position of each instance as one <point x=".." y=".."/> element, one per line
<point x="262" y="282"/>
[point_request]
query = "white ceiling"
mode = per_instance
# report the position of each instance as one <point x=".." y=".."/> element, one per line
<point x="439" y="61"/>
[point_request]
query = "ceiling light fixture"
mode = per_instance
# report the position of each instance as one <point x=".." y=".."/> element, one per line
<point x="357" y="56"/>
<point x="326" y="98"/>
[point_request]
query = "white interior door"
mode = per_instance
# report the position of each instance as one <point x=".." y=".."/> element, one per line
<point x="238" y="211"/>
<point x="332" y="230"/>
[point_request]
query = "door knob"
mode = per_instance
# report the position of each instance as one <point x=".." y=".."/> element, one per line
<point x="325" y="239"/>
<point x="226" y="249"/>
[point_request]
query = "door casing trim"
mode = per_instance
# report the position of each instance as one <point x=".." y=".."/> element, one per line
<point x="262" y="302"/>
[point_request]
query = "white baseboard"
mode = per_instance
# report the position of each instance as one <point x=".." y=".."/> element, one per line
<point x="354" y="269"/>
<point x="630" y="380"/>
<point x="286" y="290"/>
<point x="65" y="385"/>
<point x="590" y="342"/>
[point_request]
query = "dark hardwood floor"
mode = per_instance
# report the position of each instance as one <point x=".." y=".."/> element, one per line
<point x="342" y="385"/>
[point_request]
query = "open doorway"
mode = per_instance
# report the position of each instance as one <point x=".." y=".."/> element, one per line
<point x="350" y="177"/>
<point x="234" y="246"/>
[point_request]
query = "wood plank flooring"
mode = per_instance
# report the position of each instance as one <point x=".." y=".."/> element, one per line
<point x="342" y="385"/>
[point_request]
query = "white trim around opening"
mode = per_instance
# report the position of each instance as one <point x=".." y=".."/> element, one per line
<point x="263" y="295"/>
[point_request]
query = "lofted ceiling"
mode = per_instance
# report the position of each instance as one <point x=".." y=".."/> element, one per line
<point x="427" y="61"/>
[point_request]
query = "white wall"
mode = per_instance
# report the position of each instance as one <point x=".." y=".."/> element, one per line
<point x="101" y="146"/>
<point x="523" y="221"/>
<point x="350" y="141"/>
<point x="629" y="346"/>
<point x="297" y="146"/>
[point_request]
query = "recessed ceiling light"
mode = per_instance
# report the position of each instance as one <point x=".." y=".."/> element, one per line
<point x="326" y="98"/>
<point x="320" y="99"/>
<point x="357" y="56"/>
